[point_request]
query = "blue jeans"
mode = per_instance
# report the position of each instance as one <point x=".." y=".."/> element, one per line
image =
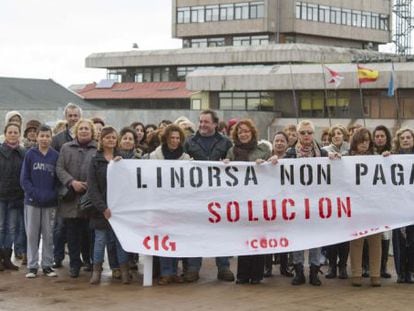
<point x="20" y="239"/>
<point x="194" y="263"/>
<point x="314" y="257"/>
<point x="102" y="238"/>
<point x="168" y="266"/>
<point x="8" y="223"/>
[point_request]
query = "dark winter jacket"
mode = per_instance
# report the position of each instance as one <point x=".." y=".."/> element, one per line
<point x="97" y="190"/>
<point x="38" y="178"/>
<point x="217" y="152"/>
<point x="11" y="161"/>
<point x="60" y="139"/>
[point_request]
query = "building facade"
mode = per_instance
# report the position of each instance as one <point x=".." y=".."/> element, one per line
<point x="352" y="23"/>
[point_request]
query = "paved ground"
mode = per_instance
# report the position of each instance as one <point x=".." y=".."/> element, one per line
<point x="63" y="293"/>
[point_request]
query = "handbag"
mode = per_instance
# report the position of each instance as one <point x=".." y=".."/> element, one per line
<point x="85" y="204"/>
<point x="66" y="194"/>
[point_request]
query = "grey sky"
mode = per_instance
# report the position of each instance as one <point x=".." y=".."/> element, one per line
<point x="51" y="38"/>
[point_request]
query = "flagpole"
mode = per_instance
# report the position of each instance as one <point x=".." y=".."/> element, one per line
<point x="294" y="93"/>
<point x="326" y="92"/>
<point x="361" y="96"/>
<point x="396" y="97"/>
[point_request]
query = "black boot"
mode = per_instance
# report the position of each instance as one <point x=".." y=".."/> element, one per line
<point x="2" y="260"/>
<point x="299" y="278"/>
<point x="284" y="265"/>
<point x="8" y="264"/>
<point x="268" y="266"/>
<point x="343" y="252"/>
<point x="331" y="254"/>
<point x="365" y="260"/>
<point x="385" y="247"/>
<point x="313" y="276"/>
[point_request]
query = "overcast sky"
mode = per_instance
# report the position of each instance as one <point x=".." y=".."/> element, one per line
<point x="51" y="38"/>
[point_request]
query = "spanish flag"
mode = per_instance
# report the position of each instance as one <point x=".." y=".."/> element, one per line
<point x="366" y="75"/>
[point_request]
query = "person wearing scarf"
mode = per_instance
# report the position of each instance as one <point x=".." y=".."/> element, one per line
<point x="362" y="144"/>
<point x="171" y="148"/>
<point x="338" y="136"/>
<point x="72" y="171"/>
<point x="11" y="193"/>
<point x="249" y="268"/>
<point x="403" y="238"/>
<point x="306" y="147"/>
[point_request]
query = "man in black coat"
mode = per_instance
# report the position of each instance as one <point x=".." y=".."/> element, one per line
<point x="207" y="144"/>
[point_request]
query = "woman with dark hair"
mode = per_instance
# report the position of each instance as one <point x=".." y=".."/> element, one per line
<point x="72" y="170"/>
<point x="246" y="148"/>
<point x="338" y="253"/>
<point x="11" y="193"/>
<point x="280" y="145"/>
<point x="149" y="128"/>
<point x="97" y="195"/>
<point x="171" y="148"/>
<point x="361" y="144"/>
<point x="141" y="141"/>
<point x="382" y="143"/>
<point x="127" y="144"/>
<point x="403" y="238"/>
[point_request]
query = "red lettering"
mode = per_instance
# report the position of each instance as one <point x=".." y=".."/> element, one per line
<point x="263" y="243"/>
<point x="253" y="244"/>
<point x="344" y="207"/>
<point x="292" y="215"/>
<point x="146" y="241"/>
<point x="236" y="208"/>
<point x="250" y="209"/>
<point x="273" y="243"/>
<point x="307" y="208"/>
<point x="322" y="212"/>
<point x="156" y="243"/>
<point x="266" y="210"/>
<point x="284" y="242"/>
<point x="217" y="217"/>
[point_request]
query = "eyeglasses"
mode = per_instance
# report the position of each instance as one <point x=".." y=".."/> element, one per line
<point x="305" y="132"/>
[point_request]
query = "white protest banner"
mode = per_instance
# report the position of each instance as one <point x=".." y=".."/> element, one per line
<point x="207" y="209"/>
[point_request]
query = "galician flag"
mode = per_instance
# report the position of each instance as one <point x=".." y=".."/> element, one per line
<point x="334" y="77"/>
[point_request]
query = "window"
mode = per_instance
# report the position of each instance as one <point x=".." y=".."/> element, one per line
<point x="183" y="15"/>
<point x="226" y="12"/>
<point x="115" y="75"/>
<point x="304" y="11"/>
<point x="298" y="10"/>
<point x="241" y="11"/>
<point x="225" y="99"/>
<point x="324" y="14"/>
<point x="312" y="12"/>
<point x="182" y="72"/>
<point x="197" y="14"/>
<point x="196" y="104"/>
<point x="335" y="16"/>
<point x="241" y="41"/>
<point x="156" y="75"/>
<point x="147" y="76"/>
<point x="212" y="13"/>
<point x="356" y="18"/>
<point x="245" y="101"/>
<point x="256" y="9"/>
<point x="383" y="22"/>
<point x="374" y="21"/>
<point x="198" y="43"/>
<point x="346" y="17"/>
<point x="165" y="74"/>
<point x="259" y="40"/>
<point x="212" y="42"/>
<point x="366" y="20"/>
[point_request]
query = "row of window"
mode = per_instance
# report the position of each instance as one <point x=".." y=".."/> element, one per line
<point x="220" y="12"/>
<point x="235" y="41"/>
<point x="246" y="101"/>
<point x="341" y="16"/>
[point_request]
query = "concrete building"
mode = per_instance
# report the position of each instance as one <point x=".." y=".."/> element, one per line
<point x="351" y="23"/>
<point x="232" y="61"/>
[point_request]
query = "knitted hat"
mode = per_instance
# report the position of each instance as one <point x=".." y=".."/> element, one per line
<point x="11" y="114"/>
<point x="31" y="124"/>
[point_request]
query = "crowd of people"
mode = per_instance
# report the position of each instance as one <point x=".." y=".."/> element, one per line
<point x="53" y="194"/>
